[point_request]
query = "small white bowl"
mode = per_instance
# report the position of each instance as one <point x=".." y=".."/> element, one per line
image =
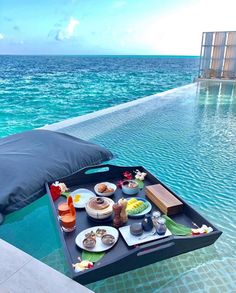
<point x="109" y="185"/>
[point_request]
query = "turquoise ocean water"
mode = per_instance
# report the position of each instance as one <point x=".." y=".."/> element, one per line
<point x="39" y="90"/>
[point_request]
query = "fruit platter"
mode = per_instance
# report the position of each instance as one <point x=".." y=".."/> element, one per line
<point x="138" y="207"/>
<point x="121" y="219"/>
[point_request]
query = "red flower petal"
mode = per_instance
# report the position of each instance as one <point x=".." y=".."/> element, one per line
<point x="127" y="175"/>
<point x="55" y="192"/>
<point x="119" y="183"/>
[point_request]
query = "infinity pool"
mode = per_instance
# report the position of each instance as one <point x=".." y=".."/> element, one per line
<point x="186" y="137"/>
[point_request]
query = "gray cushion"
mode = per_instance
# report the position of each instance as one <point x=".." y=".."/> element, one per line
<point x="31" y="158"/>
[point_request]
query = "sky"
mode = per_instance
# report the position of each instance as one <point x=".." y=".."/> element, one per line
<point x="132" y="27"/>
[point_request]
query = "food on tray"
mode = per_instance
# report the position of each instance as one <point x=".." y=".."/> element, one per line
<point x="108" y="239"/>
<point x="77" y="198"/>
<point x="136" y="229"/>
<point x="98" y="203"/>
<point x="99" y="207"/>
<point x="136" y="206"/>
<point x="108" y="190"/>
<point x="102" y="187"/>
<point x="130" y="187"/>
<point x="89" y="242"/>
<point x="90" y="234"/>
<point x="100" y="232"/>
<point x="105" y="188"/>
<point x="130" y="184"/>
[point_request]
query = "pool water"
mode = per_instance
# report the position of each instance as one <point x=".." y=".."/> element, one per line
<point x="187" y="138"/>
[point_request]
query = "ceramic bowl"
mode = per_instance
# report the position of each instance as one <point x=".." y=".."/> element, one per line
<point x="130" y="187"/>
<point x="108" y="239"/>
<point x="99" y="211"/>
<point x="108" y="186"/>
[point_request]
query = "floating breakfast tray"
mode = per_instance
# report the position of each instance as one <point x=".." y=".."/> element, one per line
<point x="121" y="257"/>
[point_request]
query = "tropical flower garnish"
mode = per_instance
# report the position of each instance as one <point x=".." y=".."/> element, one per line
<point x="82" y="265"/>
<point x="140" y="175"/>
<point x="57" y="189"/>
<point x="128" y="175"/>
<point x="139" y="178"/>
<point x="202" y="230"/>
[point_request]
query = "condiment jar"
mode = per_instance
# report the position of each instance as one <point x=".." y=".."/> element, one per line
<point x="155" y="216"/>
<point x="147" y="223"/>
<point x="161" y="227"/>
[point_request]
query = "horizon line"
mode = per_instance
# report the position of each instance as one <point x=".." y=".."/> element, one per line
<point x="154" y="55"/>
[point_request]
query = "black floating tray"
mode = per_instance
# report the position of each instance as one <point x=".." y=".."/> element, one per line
<point x="122" y="258"/>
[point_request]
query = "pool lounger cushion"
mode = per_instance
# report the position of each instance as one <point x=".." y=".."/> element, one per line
<point x="31" y="158"/>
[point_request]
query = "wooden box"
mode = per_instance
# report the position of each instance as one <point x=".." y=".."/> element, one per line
<point x="164" y="199"/>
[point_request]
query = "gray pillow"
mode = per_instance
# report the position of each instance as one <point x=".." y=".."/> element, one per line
<point x="31" y="158"/>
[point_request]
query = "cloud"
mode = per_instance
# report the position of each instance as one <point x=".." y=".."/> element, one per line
<point x="1" y="36"/>
<point x="68" y="32"/>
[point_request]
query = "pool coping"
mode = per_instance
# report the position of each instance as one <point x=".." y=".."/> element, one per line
<point x="79" y="119"/>
<point x="20" y="272"/>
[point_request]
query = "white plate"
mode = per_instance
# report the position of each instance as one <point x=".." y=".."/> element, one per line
<point x="99" y="245"/>
<point x="145" y="237"/>
<point x="86" y="194"/>
<point x="144" y="212"/>
<point x="109" y="185"/>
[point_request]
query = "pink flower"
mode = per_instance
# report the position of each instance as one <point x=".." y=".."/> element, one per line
<point x="128" y="175"/>
<point x="119" y="183"/>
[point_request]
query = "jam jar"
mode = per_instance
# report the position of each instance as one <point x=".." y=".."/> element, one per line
<point x="161" y="227"/>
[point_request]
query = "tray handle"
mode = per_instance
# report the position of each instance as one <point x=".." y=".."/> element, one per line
<point x="96" y="169"/>
<point x="93" y="173"/>
<point x="155" y="249"/>
<point x="103" y="169"/>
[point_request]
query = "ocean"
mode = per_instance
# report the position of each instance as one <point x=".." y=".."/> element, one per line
<point x="39" y="90"/>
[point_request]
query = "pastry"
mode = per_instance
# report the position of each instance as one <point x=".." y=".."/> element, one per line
<point x="102" y="187"/>
<point x="90" y="234"/>
<point x="100" y="232"/>
<point x="108" y="190"/>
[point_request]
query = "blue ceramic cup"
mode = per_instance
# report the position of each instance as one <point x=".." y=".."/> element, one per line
<point x="130" y="187"/>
